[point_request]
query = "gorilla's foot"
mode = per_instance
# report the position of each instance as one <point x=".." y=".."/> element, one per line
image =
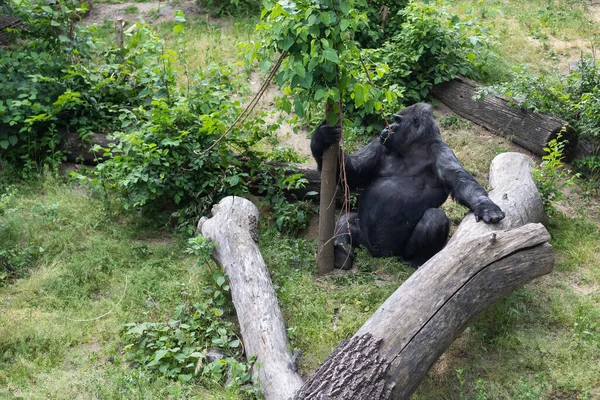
<point x="415" y="263"/>
<point x="343" y="257"/>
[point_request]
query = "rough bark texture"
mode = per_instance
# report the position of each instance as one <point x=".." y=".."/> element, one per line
<point x="327" y="209"/>
<point x="528" y="129"/>
<point x="421" y="319"/>
<point x="355" y="370"/>
<point x="514" y="190"/>
<point x="234" y="229"/>
<point x="78" y="150"/>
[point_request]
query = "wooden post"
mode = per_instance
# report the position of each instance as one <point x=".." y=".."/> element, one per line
<point x="119" y="31"/>
<point x="329" y="178"/>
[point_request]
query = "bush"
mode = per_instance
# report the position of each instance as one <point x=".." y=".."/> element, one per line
<point x="51" y="82"/>
<point x="431" y="46"/>
<point x="162" y="159"/>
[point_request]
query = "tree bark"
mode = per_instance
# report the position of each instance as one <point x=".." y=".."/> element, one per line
<point x="528" y="129"/>
<point x="80" y="150"/>
<point x="234" y="228"/>
<point x="423" y="317"/>
<point x="327" y="209"/>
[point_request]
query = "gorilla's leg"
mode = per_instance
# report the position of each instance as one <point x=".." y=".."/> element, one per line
<point x="428" y="237"/>
<point x="346" y="237"/>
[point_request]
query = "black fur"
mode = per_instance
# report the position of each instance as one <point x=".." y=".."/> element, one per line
<point x="406" y="174"/>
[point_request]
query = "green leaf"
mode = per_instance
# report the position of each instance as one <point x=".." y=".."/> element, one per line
<point x="344" y="24"/>
<point x="4" y="144"/>
<point x="331" y="55"/>
<point x="320" y="93"/>
<point x="287" y="43"/>
<point x="178" y="28"/>
<point x="325" y="18"/>
<point x="63" y="38"/>
<point x="298" y="109"/>
<point x="299" y="68"/>
<point x="13" y="139"/>
<point x="264" y="65"/>
<point x="345" y="7"/>
<point x="158" y="355"/>
<point x="47" y="9"/>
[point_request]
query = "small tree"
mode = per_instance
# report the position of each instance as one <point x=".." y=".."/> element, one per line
<point x="322" y="64"/>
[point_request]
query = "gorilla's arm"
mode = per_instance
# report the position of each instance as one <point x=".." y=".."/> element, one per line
<point x="360" y="167"/>
<point x="464" y="188"/>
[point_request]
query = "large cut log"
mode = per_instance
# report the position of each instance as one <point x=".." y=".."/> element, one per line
<point x="528" y="129"/>
<point x="80" y="150"/>
<point x="415" y="325"/>
<point x="234" y="228"/>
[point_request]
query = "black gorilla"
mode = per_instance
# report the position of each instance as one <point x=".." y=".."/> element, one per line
<point x="406" y="174"/>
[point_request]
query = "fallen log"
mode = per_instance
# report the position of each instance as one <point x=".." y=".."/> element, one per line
<point x="528" y="129"/>
<point x="234" y="227"/>
<point x="80" y="150"/>
<point x="392" y="352"/>
<point x="415" y="325"/>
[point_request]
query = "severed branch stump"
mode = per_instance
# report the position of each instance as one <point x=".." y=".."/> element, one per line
<point x="234" y="227"/>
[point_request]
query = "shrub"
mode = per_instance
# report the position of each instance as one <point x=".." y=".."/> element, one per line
<point x="552" y="177"/>
<point x="162" y="159"/>
<point x="431" y="46"/>
<point x="51" y="81"/>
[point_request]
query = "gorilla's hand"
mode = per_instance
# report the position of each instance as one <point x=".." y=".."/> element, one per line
<point x="489" y="212"/>
<point x="326" y="135"/>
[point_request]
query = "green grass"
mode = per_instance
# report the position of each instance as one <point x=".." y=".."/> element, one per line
<point x="540" y="33"/>
<point x="63" y="315"/>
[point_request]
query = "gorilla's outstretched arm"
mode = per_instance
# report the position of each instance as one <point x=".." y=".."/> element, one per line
<point x="360" y="167"/>
<point x="464" y="188"/>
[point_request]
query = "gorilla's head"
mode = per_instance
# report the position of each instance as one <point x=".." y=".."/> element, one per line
<point x="411" y="125"/>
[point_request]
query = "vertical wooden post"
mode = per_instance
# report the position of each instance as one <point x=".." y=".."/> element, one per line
<point x="119" y="30"/>
<point x="327" y="206"/>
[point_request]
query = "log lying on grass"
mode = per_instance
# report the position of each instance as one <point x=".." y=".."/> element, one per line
<point x="528" y="129"/>
<point x="415" y="325"/>
<point x="80" y="150"/>
<point x="391" y="354"/>
<point x="234" y="227"/>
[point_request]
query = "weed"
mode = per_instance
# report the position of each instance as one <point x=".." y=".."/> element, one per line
<point x="552" y="177"/>
<point x="129" y="10"/>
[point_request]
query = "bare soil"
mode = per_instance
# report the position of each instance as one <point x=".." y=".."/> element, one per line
<point x="154" y="12"/>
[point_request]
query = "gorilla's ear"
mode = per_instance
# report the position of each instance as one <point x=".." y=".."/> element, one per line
<point x="397" y="118"/>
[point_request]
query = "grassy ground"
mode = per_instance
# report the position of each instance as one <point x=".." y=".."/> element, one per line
<point x="88" y="269"/>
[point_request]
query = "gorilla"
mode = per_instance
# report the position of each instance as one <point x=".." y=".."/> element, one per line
<point x="406" y="175"/>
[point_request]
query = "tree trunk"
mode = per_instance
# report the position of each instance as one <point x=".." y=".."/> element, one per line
<point x="327" y="209"/>
<point x="528" y="129"/>
<point x="422" y="318"/>
<point x="234" y="228"/>
<point x="329" y="176"/>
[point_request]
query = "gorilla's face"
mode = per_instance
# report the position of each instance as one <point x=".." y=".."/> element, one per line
<point x="408" y="126"/>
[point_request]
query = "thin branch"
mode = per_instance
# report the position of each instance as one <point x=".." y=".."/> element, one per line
<point x="250" y="107"/>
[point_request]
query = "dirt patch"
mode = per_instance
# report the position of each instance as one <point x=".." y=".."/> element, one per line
<point x="298" y="141"/>
<point x="154" y="12"/>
